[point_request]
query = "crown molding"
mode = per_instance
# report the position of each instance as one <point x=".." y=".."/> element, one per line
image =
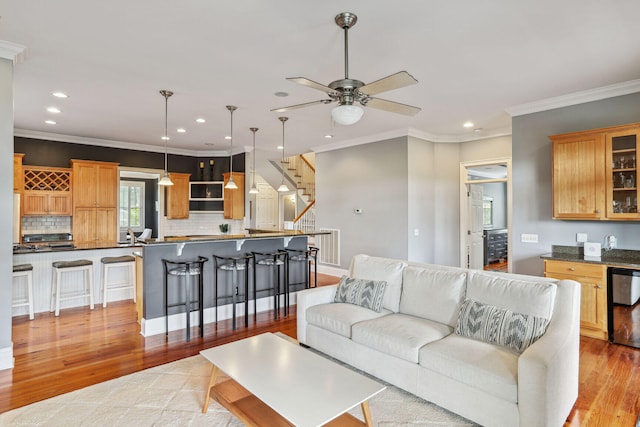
<point x="604" y="92"/>
<point x="415" y="133"/>
<point x="12" y="51"/>
<point x="25" y="133"/>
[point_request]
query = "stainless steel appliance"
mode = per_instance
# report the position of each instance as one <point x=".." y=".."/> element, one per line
<point x="44" y="242"/>
<point x="623" y="286"/>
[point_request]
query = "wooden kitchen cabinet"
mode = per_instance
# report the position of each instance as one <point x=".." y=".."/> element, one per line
<point x="95" y="184"/>
<point x="595" y="174"/>
<point x="234" y="199"/>
<point x="177" y="196"/>
<point x="18" y="176"/>
<point x="95" y="202"/>
<point x="593" y="299"/>
<point x="578" y="176"/>
<point x="47" y="203"/>
<point x="47" y="191"/>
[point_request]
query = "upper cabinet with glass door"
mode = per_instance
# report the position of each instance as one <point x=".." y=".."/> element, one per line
<point x="595" y="174"/>
<point x="621" y="167"/>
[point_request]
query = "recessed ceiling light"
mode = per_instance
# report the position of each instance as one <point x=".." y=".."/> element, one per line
<point x="53" y="110"/>
<point x="227" y="137"/>
<point x="281" y="94"/>
<point x="50" y="122"/>
<point x="200" y="120"/>
<point x="468" y="124"/>
<point x="211" y="144"/>
<point x="477" y="130"/>
<point x="328" y="136"/>
<point x="280" y="147"/>
<point x="165" y="138"/>
<point x="60" y="95"/>
<point x="181" y="130"/>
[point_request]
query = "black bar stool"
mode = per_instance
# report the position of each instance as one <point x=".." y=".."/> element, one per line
<point x="309" y="256"/>
<point x="232" y="264"/>
<point x="185" y="271"/>
<point x="275" y="261"/>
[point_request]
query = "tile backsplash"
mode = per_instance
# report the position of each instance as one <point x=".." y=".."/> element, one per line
<point x="46" y="224"/>
<point x="200" y="223"/>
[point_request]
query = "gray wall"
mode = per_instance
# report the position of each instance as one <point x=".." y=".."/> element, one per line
<point x="371" y="177"/>
<point x="6" y="214"/>
<point x="532" y="180"/>
<point x="498" y="192"/>
<point x="402" y="184"/>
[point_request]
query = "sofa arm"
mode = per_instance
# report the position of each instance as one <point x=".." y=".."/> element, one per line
<point x="548" y="369"/>
<point x="308" y="298"/>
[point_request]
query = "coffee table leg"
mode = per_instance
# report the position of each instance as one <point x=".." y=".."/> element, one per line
<point x="212" y="382"/>
<point x="367" y="413"/>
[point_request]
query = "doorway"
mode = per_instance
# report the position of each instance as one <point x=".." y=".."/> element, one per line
<point x="485" y="214"/>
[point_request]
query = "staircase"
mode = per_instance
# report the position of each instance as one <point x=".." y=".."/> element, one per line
<point x="303" y="173"/>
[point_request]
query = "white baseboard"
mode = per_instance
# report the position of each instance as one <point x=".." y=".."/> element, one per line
<point x="6" y="357"/>
<point x="325" y="269"/>
<point x="178" y="321"/>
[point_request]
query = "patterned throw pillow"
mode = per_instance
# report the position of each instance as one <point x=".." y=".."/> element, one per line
<point x="365" y="293"/>
<point x="500" y="326"/>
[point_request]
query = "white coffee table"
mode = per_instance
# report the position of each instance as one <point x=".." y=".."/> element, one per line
<point x="275" y="382"/>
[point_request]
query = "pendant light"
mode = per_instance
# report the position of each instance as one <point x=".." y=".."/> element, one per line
<point x="254" y="189"/>
<point x="283" y="187"/>
<point x="231" y="185"/>
<point x="165" y="180"/>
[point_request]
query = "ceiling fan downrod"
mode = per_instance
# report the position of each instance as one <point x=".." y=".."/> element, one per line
<point x="346" y="20"/>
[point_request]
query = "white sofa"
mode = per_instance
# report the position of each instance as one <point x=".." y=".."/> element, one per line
<point x="412" y="342"/>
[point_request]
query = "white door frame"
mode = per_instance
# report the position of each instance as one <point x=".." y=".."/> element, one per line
<point x="464" y="181"/>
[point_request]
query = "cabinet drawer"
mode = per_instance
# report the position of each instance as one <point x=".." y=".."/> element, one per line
<point x="574" y="268"/>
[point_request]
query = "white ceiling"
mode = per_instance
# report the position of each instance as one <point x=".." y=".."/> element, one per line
<point x="473" y="59"/>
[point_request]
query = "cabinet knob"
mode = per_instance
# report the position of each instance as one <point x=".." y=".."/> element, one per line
<point x="597" y="211"/>
<point x="598" y="287"/>
<point x="572" y="269"/>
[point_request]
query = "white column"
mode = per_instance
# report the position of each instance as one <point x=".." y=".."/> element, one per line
<point x="9" y="54"/>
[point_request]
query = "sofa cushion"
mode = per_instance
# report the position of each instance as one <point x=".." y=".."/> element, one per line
<point x="375" y="268"/>
<point x="398" y="334"/>
<point x="496" y="325"/>
<point x="362" y="292"/>
<point x="527" y="297"/>
<point x="340" y="317"/>
<point x="433" y="294"/>
<point x="485" y="366"/>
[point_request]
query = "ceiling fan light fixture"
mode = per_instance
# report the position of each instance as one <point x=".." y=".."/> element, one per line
<point x="347" y="114"/>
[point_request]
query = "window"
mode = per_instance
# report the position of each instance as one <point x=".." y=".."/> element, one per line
<point x="132" y="205"/>
<point x="487" y="212"/>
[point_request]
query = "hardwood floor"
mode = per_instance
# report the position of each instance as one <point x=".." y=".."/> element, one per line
<point x="83" y="347"/>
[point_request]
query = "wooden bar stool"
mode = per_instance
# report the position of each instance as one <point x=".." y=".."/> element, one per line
<point x="59" y="267"/>
<point x="24" y="270"/>
<point x="232" y="264"/>
<point x="185" y="272"/>
<point x="109" y="263"/>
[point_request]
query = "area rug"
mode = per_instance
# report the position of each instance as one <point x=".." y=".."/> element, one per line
<point x="173" y="394"/>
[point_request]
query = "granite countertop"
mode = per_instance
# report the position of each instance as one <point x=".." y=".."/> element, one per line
<point x="613" y="257"/>
<point x="248" y="234"/>
<point x="83" y="247"/>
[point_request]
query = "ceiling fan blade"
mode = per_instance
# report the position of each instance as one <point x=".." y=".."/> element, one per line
<point x="310" y="83"/>
<point x="394" y="81"/>
<point x="306" y="104"/>
<point x="393" y="107"/>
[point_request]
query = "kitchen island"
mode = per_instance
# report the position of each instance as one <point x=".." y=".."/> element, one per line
<point x="182" y="248"/>
<point x="41" y="257"/>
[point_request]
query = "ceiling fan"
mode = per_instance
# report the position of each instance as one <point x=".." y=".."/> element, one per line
<point x="348" y="92"/>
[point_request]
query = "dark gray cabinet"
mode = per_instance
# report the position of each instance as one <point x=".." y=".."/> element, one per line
<point x="495" y="245"/>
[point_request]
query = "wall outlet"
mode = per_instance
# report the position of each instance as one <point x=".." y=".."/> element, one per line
<point x="581" y="237"/>
<point x="529" y="238"/>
